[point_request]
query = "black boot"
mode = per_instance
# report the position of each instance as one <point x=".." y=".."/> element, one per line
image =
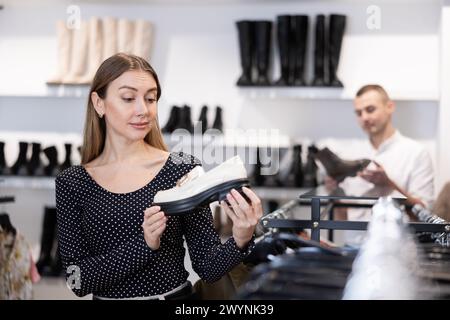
<point x="294" y="178"/>
<point x="218" y="124"/>
<point x="337" y="168"/>
<point x="19" y="168"/>
<point x="246" y="49"/>
<point x="335" y="34"/>
<point x="174" y="119"/>
<point x="56" y="266"/>
<point x="263" y="39"/>
<point x="34" y="165"/>
<point x="299" y="25"/>
<point x="47" y="239"/>
<point x="67" y="161"/>
<point x="257" y="179"/>
<point x="202" y="124"/>
<point x="310" y="170"/>
<point x="319" y="52"/>
<point x="185" y="119"/>
<point x="3" y="166"/>
<point x="284" y="41"/>
<point x="52" y="169"/>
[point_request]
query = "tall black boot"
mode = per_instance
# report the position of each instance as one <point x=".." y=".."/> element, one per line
<point x="299" y="25"/>
<point x="56" y="266"/>
<point x="319" y="52"/>
<point x="174" y="119"/>
<point x="263" y="40"/>
<point x="34" y="165"/>
<point x="185" y="121"/>
<point x="52" y="168"/>
<point x="284" y="41"/>
<point x="246" y="49"/>
<point x="19" y="168"/>
<point x="67" y="160"/>
<point x="202" y="124"/>
<point x="294" y="178"/>
<point x="3" y="166"/>
<point x="310" y="170"/>
<point x="257" y="179"/>
<point x="335" y="34"/>
<point x="47" y="240"/>
<point x="218" y="123"/>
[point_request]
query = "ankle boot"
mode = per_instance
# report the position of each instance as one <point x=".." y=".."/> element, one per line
<point x="319" y="52"/>
<point x="52" y="169"/>
<point x="202" y="123"/>
<point x="335" y="34"/>
<point x="218" y="124"/>
<point x="310" y="169"/>
<point x="47" y="240"/>
<point x="263" y="37"/>
<point x="185" y="120"/>
<point x="294" y="178"/>
<point x="67" y="161"/>
<point x="338" y="168"/>
<point x="19" y="168"/>
<point x="174" y="119"/>
<point x="246" y="51"/>
<point x="34" y="165"/>
<point x="284" y="41"/>
<point x="299" y="25"/>
<point x="3" y="166"/>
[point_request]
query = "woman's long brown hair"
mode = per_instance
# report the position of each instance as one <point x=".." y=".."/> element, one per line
<point x="95" y="127"/>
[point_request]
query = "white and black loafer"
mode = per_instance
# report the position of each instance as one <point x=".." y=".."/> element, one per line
<point x="199" y="189"/>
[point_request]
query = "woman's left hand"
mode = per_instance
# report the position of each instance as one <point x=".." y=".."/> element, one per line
<point x="245" y="215"/>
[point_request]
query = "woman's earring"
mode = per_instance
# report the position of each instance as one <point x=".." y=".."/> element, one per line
<point x="100" y="115"/>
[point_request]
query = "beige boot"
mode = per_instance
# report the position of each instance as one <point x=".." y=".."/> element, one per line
<point x="78" y="57"/>
<point x="109" y="26"/>
<point x="95" y="50"/>
<point x="64" y="43"/>
<point x="143" y="39"/>
<point x="125" y="36"/>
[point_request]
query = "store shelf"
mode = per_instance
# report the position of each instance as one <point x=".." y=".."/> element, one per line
<point x="49" y="184"/>
<point x="17" y="182"/>
<point x="324" y="93"/>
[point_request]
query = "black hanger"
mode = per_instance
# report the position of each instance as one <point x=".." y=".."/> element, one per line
<point x="6" y="224"/>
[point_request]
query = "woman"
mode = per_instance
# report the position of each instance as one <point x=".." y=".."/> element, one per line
<point x="113" y="242"/>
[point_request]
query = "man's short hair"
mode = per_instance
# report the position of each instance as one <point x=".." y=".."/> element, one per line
<point x="374" y="87"/>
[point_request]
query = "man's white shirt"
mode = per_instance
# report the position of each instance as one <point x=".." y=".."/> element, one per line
<point x="405" y="161"/>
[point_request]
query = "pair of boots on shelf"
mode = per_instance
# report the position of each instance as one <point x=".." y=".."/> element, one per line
<point x="298" y="176"/>
<point x="81" y="50"/>
<point x="180" y="118"/>
<point x="33" y="166"/>
<point x="49" y="262"/>
<point x="292" y="38"/>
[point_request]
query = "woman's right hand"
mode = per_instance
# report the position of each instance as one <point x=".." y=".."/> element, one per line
<point x="154" y="225"/>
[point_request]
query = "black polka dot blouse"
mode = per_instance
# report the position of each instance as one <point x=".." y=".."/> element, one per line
<point x="100" y="235"/>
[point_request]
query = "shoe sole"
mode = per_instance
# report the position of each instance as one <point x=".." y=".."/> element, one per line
<point x="203" y="199"/>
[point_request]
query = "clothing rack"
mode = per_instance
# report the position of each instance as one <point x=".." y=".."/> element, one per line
<point x="315" y="224"/>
